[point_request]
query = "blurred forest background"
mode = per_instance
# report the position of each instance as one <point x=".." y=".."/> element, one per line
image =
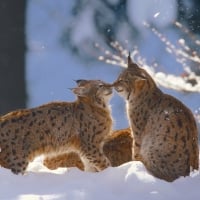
<point x="92" y="22"/>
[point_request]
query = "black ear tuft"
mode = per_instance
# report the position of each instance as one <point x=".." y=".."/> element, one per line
<point x="80" y="81"/>
<point x="129" y="59"/>
<point x="132" y="64"/>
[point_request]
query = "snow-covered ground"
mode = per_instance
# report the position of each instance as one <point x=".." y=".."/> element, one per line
<point x="128" y="181"/>
<point x="50" y="72"/>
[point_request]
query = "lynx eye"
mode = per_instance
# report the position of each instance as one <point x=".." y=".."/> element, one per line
<point x="122" y="81"/>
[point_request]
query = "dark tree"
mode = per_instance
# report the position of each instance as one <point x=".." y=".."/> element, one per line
<point x="12" y="55"/>
<point x="190" y="15"/>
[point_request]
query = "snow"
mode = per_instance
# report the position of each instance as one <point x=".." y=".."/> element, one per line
<point x="50" y="71"/>
<point x="128" y="181"/>
<point x="146" y="11"/>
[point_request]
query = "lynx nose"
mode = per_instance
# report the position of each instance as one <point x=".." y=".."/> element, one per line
<point x="108" y="85"/>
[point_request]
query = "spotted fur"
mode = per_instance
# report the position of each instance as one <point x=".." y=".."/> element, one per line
<point x="57" y="127"/>
<point x="117" y="148"/>
<point x="165" y="136"/>
<point x="68" y="159"/>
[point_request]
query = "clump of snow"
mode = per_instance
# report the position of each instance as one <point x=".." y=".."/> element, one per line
<point x="128" y="181"/>
<point x="176" y="82"/>
<point x="156" y="14"/>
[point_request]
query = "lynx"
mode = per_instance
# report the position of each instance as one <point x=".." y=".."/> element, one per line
<point x="165" y="136"/>
<point x="58" y="127"/>
<point x="117" y="148"/>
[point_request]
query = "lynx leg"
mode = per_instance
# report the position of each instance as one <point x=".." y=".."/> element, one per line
<point x="94" y="158"/>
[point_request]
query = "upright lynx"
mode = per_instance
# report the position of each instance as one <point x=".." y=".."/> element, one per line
<point x="165" y="136"/>
<point x="58" y="127"/>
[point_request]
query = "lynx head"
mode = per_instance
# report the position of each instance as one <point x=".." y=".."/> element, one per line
<point x="133" y="80"/>
<point x="95" y="90"/>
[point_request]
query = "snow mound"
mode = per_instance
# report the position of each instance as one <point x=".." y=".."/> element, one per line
<point x="128" y="181"/>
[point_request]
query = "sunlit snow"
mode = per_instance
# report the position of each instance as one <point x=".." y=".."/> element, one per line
<point x="52" y="69"/>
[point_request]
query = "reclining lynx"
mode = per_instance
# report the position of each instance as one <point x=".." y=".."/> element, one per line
<point x="117" y="147"/>
<point x="58" y="127"/>
<point x="165" y="136"/>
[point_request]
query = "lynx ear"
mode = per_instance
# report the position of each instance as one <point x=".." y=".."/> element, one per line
<point x="139" y="84"/>
<point x="131" y="64"/>
<point x="80" y="91"/>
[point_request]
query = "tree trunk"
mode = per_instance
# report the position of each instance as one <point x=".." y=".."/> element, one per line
<point x="12" y="55"/>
